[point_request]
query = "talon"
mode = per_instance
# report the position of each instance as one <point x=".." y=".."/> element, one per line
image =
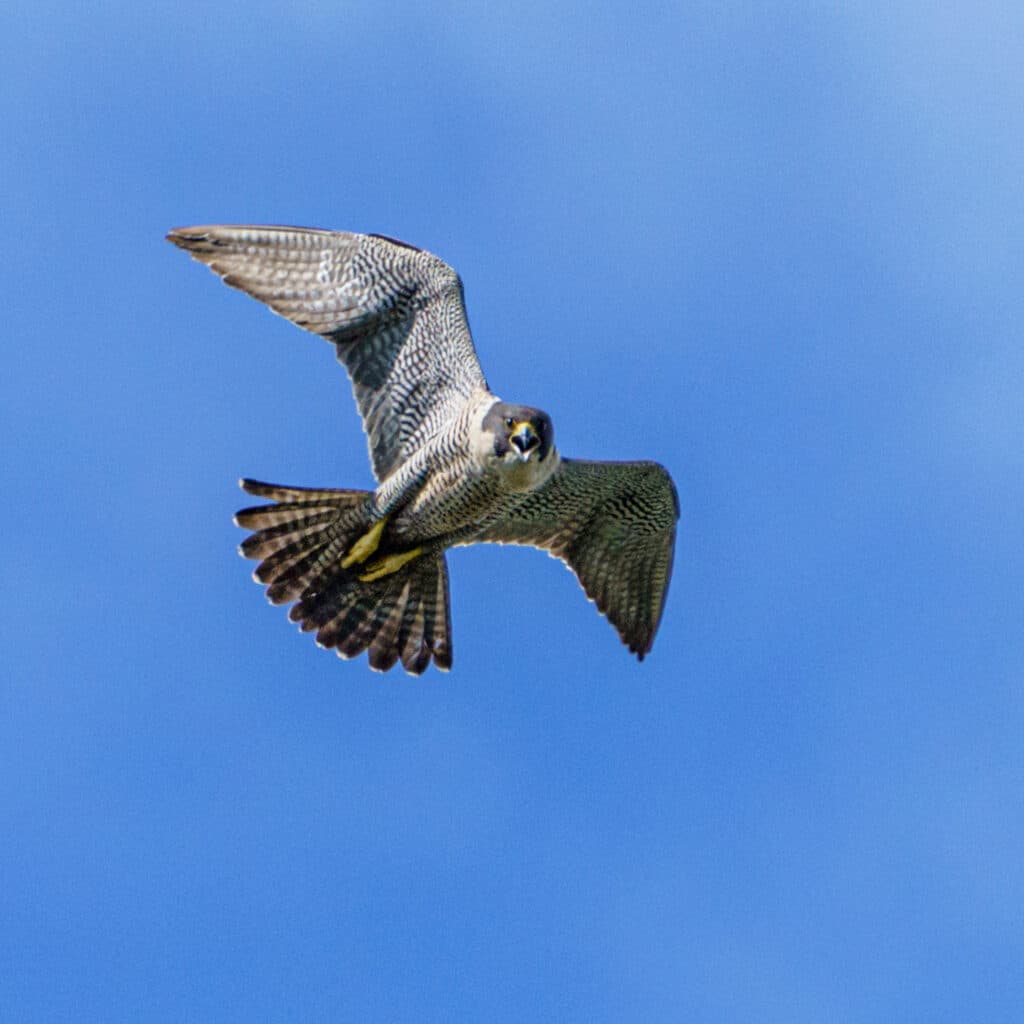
<point x="388" y="564"/>
<point x="365" y="546"/>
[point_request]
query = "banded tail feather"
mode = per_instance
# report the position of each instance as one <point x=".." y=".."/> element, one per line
<point x="300" y="541"/>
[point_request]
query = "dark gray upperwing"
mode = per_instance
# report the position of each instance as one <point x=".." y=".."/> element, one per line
<point x="614" y="525"/>
<point x="395" y="313"/>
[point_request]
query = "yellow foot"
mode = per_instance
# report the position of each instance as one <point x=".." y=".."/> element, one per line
<point x="365" y="546"/>
<point x="388" y="564"/>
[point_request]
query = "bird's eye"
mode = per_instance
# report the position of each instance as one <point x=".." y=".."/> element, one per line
<point x="509" y="422"/>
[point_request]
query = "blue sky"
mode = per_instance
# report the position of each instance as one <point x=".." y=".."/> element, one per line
<point x="779" y="251"/>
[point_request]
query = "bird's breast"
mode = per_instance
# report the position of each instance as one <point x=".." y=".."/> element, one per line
<point x="519" y="476"/>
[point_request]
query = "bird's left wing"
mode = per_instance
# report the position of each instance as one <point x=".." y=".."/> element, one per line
<point x="394" y="312"/>
<point x="614" y="525"/>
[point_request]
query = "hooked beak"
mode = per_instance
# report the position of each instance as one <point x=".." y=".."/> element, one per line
<point x="525" y="438"/>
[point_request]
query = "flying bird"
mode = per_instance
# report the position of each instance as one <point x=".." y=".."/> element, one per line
<point x="454" y="464"/>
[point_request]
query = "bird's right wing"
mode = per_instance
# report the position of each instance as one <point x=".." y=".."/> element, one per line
<point x="614" y="525"/>
<point x="395" y="313"/>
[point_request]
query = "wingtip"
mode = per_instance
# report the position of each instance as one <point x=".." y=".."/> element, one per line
<point x="181" y="237"/>
<point x="257" y="488"/>
<point x="642" y="647"/>
<point x="199" y="241"/>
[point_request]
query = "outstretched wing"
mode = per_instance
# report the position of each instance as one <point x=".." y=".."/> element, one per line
<point x="395" y="313"/>
<point x="614" y="525"/>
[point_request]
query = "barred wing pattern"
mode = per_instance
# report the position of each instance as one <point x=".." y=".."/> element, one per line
<point x="614" y="525"/>
<point x="395" y="313"/>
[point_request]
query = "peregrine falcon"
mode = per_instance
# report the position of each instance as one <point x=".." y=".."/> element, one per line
<point x="454" y="464"/>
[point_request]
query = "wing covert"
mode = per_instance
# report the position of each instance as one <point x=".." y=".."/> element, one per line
<point x="394" y="312"/>
<point x="614" y="525"/>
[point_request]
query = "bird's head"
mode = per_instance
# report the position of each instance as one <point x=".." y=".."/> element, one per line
<point x="523" y="441"/>
<point x="519" y="432"/>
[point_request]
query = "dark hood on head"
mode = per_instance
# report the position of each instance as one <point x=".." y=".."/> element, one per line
<point x="503" y="418"/>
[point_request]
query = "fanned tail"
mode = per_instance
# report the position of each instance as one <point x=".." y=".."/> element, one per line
<point x="301" y="539"/>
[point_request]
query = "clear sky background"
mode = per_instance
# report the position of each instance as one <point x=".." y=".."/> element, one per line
<point x="781" y="252"/>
